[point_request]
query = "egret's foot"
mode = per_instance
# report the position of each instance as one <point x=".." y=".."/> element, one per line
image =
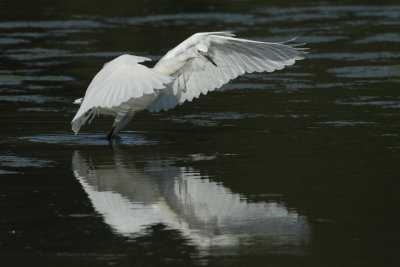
<point x="111" y="137"/>
<point x="114" y="142"/>
<point x="110" y="134"/>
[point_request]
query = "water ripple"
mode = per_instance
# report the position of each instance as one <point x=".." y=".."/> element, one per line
<point x="86" y="139"/>
<point x="40" y="99"/>
<point x="211" y="119"/>
<point x="21" y="162"/>
<point x="53" y="24"/>
<point x="366" y="71"/>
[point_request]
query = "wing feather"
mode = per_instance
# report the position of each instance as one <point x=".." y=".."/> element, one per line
<point x="233" y="56"/>
<point x="119" y="81"/>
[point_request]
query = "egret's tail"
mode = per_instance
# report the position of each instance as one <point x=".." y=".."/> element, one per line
<point x="80" y="119"/>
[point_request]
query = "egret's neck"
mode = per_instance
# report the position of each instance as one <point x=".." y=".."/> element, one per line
<point x="171" y="63"/>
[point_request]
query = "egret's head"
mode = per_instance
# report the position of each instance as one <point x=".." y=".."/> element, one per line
<point x="202" y="50"/>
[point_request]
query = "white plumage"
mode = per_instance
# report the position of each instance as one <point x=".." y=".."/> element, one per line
<point x="200" y="64"/>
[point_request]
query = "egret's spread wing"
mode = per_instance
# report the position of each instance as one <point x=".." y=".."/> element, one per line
<point x="233" y="57"/>
<point x="120" y="80"/>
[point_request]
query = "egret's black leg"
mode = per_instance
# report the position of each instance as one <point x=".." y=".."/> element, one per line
<point x="120" y="122"/>
<point x="110" y="133"/>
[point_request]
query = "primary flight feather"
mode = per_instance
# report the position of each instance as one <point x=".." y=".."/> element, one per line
<point x="201" y="63"/>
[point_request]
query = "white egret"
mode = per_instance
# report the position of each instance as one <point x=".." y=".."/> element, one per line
<point x="201" y="63"/>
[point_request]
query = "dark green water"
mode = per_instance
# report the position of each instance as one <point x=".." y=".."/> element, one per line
<point x="294" y="168"/>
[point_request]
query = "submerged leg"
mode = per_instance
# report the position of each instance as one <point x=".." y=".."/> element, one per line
<point x="120" y="122"/>
<point x="110" y="133"/>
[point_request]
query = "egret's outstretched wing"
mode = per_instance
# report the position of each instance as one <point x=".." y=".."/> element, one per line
<point x="119" y="81"/>
<point x="233" y="57"/>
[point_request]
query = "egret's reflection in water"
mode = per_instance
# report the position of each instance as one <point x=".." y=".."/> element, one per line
<point x="207" y="213"/>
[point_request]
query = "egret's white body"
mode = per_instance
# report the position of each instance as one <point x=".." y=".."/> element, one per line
<point x="201" y="63"/>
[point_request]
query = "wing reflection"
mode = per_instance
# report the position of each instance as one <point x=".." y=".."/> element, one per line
<point x="131" y="198"/>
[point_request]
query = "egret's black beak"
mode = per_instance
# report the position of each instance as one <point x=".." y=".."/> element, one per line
<point x="207" y="56"/>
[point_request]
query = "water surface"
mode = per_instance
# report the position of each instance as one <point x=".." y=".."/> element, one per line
<point x="295" y="167"/>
